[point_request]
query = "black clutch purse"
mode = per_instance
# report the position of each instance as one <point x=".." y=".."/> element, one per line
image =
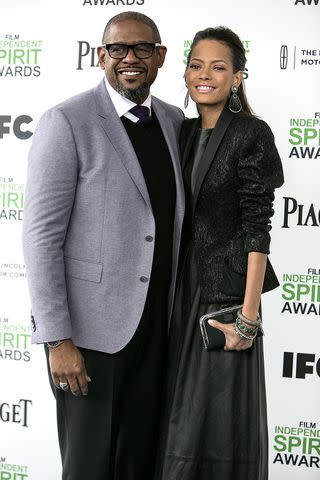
<point x="214" y="339"/>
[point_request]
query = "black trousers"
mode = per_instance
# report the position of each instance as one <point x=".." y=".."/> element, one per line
<point x="112" y="434"/>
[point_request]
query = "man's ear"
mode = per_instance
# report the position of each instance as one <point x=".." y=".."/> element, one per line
<point x="102" y="56"/>
<point x="161" y="53"/>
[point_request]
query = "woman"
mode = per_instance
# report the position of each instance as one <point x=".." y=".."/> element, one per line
<point x="215" y="424"/>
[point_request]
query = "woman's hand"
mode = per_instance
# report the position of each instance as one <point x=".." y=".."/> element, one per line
<point x="233" y="341"/>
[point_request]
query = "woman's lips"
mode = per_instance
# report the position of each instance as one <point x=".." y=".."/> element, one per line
<point x="204" y="88"/>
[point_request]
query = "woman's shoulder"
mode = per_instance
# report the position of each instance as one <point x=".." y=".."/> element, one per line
<point x="187" y="127"/>
<point x="251" y="125"/>
<point x="189" y="123"/>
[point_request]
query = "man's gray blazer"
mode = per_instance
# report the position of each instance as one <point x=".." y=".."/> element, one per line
<point x="86" y="222"/>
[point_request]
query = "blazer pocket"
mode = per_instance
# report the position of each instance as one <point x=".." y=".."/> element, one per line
<point x="83" y="270"/>
<point x="233" y="282"/>
<point x="234" y="277"/>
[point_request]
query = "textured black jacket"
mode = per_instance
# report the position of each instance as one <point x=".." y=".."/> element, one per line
<point x="233" y="205"/>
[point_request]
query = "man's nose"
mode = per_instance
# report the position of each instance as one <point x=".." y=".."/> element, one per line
<point x="130" y="57"/>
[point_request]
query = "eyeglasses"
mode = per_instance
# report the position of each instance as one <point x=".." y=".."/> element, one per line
<point x="120" y="50"/>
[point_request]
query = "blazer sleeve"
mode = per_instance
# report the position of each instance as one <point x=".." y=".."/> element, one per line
<point x="260" y="172"/>
<point x="51" y="184"/>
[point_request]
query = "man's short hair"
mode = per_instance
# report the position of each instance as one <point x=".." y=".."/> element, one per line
<point x="138" y="17"/>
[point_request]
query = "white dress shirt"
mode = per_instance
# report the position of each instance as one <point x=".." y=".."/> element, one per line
<point x="123" y="104"/>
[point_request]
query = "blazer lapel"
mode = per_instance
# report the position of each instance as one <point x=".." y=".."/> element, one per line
<point x="170" y="135"/>
<point x="172" y="143"/>
<point x="118" y="137"/>
<point x="186" y="145"/>
<point x="210" y="151"/>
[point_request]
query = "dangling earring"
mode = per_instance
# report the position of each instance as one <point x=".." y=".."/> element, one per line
<point x="186" y="100"/>
<point x="235" y="105"/>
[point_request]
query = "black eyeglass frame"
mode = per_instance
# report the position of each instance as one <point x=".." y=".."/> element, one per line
<point x="131" y="47"/>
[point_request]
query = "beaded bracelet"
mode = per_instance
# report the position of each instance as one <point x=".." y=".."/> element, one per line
<point x="245" y="329"/>
<point x="255" y="323"/>
<point x="242" y="335"/>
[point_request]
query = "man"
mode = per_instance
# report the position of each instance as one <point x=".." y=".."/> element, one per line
<point x="103" y="215"/>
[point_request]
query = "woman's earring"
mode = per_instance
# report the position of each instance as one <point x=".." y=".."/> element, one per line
<point x="186" y="100"/>
<point x="235" y="105"/>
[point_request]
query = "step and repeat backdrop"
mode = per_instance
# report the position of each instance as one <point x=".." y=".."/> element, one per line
<point x="47" y="54"/>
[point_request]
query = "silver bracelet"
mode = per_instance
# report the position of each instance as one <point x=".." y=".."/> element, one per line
<point x="253" y="323"/>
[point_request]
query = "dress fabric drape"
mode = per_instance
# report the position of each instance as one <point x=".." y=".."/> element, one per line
<point x="215" y="420"/>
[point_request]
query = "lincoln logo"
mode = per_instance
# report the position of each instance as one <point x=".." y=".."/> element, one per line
<point x="283" y="57"/>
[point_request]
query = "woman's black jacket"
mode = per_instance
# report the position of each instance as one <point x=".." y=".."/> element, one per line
<point x="233" y="205"/>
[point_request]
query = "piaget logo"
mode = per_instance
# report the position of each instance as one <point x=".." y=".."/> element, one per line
<point x="304" y="137"/>
<point x="15" y="341"/>
<point x="11" y="199"/>
<point x="299" y="214"/>
<point x="17" y="413"/>
<point x="20" y="57"/>
<point x="297" y="446"/>
<point x="187" y="45"/>
<point x="301" y="292"/>
<point x="10" y="471"/>
<point x="87" y="55"/>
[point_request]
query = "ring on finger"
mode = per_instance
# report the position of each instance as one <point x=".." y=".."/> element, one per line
<point x="64" y="386"/>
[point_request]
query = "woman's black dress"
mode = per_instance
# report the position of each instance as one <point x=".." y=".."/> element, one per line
<point x="215" y="422"/>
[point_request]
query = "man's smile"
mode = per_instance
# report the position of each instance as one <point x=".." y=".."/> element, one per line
<point x="130" y="72"/>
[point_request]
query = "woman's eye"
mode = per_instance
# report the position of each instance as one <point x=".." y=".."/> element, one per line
<point x="218" y="67"/>
<point x="193" y="66"/>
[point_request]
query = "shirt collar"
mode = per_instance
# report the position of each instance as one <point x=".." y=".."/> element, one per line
<point x="121" y="103"/>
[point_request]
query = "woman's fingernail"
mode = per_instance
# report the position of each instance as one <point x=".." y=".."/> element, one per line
<point x="212" y="323"/>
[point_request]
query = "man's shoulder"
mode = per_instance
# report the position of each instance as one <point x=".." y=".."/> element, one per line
<point x="75" y="103"/>
<point x="171" y="110"/>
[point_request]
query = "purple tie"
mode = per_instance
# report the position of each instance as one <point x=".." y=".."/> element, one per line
<point x="142" y="113"/>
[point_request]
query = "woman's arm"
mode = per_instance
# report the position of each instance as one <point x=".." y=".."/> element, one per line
<point x="260" y="172"/>
<point x="255" y="276"/>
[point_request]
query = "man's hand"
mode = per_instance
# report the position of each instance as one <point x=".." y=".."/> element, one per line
<point x="233" y="341"/>
<point x="67" y="366"/>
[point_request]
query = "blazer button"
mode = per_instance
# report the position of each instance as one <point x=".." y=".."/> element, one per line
<point x="144" y="279"/>
<point x="149" y="238"/>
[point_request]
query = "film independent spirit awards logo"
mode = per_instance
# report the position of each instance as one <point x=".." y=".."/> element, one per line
<point x="304" y="137"/>
<point x="300" y="293"/>
<point x="12" y="196"/>
<point x="297" y="445"/>
<point x="15" y="341"/>
<point x="12" y="471"/>
<point x="20" y="57"/>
